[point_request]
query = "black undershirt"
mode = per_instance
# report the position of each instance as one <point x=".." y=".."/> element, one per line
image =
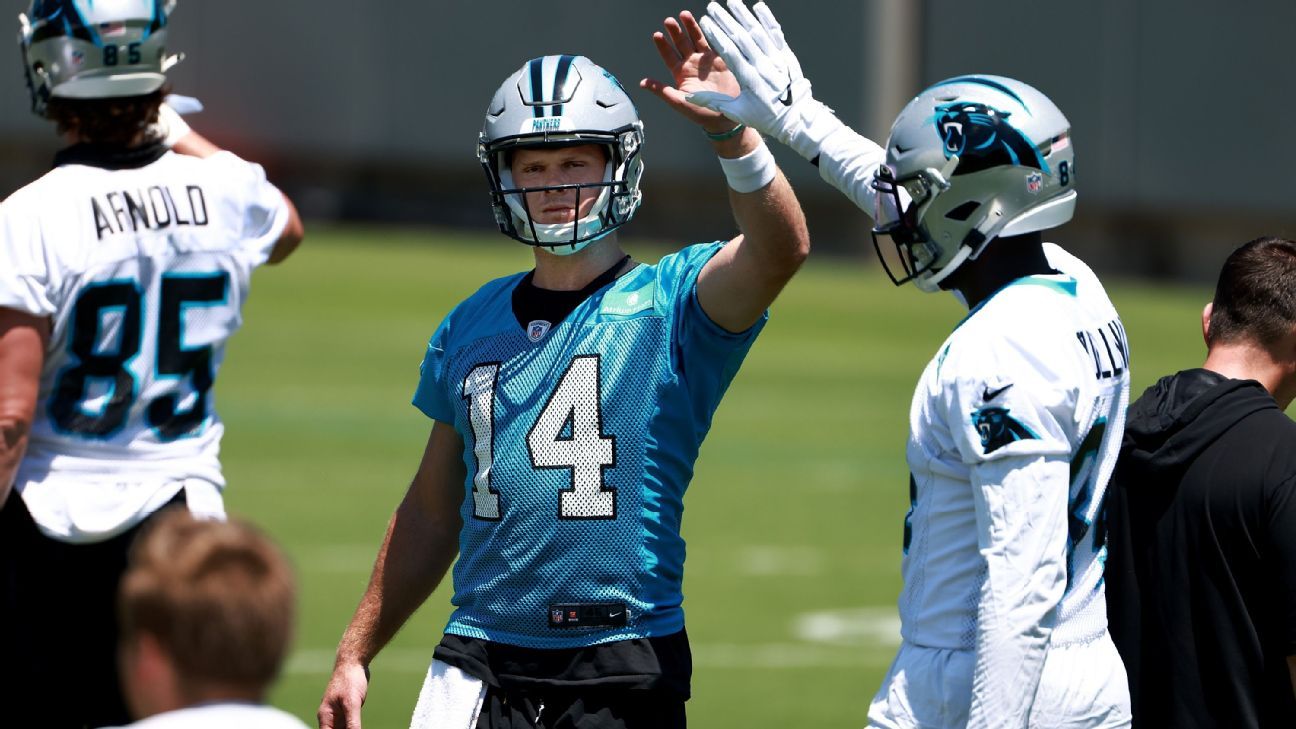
<point x="110" y="156"/>
<point x="661" y="663"/>
<point x="532" y="303"/>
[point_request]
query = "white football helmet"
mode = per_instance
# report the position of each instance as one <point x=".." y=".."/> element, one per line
<point x="94" y="49"/>
<point x="970" y="159"/>
<point x="562" y="101"/>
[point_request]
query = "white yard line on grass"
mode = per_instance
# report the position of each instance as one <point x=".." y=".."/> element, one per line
<point x="772" y="561"/>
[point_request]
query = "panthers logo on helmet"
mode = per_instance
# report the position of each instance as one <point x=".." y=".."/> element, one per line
<point x="998" y="428"/>
<point x="55" y="18"/>
<point x="982" y="137"/>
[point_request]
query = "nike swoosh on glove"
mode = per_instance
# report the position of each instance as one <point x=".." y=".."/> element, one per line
<point x="776" y="97"/>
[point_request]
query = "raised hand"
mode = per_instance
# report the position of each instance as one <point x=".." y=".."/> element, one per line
<point x="695" y="69"/>
<point x="775" y="96"/>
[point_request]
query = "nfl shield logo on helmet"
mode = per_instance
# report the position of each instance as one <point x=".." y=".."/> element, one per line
<point x="537" y="329"/>
<point x="1034" y="181"/>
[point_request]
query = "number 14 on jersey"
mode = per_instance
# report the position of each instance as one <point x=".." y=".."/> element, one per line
<point x="568" y="434"/>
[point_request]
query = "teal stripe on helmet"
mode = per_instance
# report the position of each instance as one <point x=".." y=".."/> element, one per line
<point x="983" y="82"/>
<point x="560" y="81"/>
<point x="537" y="86"/>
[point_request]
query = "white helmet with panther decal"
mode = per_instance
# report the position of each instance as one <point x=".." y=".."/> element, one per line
<point x="562" y="101"/>
<point x="970" y="159"/>
<point x="94" y="49"/>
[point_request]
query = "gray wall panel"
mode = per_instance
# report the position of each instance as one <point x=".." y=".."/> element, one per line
<point x="1173" y="104"/>
<point x="1180" y="110"/>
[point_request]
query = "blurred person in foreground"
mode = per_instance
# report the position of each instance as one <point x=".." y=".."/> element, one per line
<point x="1015" y="423"/>
<point x="1202" y="575"/>
<point x="123" y="271"/>
<point x="206" y="611"/>
<point x="569" y="403"/>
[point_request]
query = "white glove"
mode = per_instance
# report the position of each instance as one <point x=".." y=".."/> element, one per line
<point x="171" y="126"/>
<point x="184" y="105"/>
<point x="775" y="98"/>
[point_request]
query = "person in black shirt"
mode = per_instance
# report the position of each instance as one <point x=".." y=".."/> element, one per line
<point x="1201" y="577"/>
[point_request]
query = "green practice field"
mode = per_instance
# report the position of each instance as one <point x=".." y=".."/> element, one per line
<point x="794" y="519"/>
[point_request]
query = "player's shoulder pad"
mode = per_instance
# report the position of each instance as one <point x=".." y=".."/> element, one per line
<point x="677" y="272"/>
<point x="1007" y="402"/>
<point x="634" y="293"/>
<point x="27" y="198"/>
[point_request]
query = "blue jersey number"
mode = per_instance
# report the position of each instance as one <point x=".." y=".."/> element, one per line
<point x="568" y="434"/>
<point x="913" y="504"/>
<point x="112" y="310"/>
<point x="1084" y="477"/>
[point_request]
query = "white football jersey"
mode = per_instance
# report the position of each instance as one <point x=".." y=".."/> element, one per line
<point x="143" y="273"/>
<point x="222" y="716"/>
<point x="1014" y="430"/>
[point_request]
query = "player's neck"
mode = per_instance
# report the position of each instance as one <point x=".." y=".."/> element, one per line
<point x="574" y="272"/>
<point x="1003" y="261"/>
<point x="173" y="693"/>
<point x="1247" y="361"/>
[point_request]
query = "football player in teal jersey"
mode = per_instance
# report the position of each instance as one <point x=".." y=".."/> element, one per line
<point x="568" y="406"/>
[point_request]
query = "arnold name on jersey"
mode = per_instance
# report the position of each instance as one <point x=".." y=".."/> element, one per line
<point x="154" y="208"/>
<point x="1107" y="345"/>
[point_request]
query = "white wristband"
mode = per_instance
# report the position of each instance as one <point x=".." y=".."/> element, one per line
<point x="752" y="171"/>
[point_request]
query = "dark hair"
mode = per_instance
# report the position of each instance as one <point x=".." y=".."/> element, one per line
<point x="106" y="121"/>
<point x="218" y="597"/>
<point x="1255" y="299"/>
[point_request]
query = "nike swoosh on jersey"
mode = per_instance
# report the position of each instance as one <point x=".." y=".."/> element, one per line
<point x="987" y="395"/>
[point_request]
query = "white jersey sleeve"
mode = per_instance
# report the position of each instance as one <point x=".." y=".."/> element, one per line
<point x="262" y="207"/>
<point x="1017" y="452"/>
<point x="26" y="274"/>
<point x="848" y="161"/>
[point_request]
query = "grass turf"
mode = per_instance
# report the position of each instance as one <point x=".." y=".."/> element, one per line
<point x="793" y="520"/>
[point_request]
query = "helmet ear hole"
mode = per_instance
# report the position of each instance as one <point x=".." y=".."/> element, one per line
<point x="964" y="211"/>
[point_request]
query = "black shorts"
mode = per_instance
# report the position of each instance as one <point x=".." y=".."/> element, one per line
<point x="600" y="708"/>
<point x="58" y="625"/>
<point x="639" y="683"/>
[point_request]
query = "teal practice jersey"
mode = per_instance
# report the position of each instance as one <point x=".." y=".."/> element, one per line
<point x="579" y="442"/>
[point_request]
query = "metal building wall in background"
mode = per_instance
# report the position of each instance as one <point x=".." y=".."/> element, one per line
<point x="366" y="111"/>
<point x="1180" y="111"/>
<point x="366" y="114"/>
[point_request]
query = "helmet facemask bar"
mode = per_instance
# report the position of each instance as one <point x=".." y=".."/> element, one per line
<point x="530" y="234"/>
<point x="37" y="88"/>
<point x="901" y="206"/>
<point x="617" y="195"/>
